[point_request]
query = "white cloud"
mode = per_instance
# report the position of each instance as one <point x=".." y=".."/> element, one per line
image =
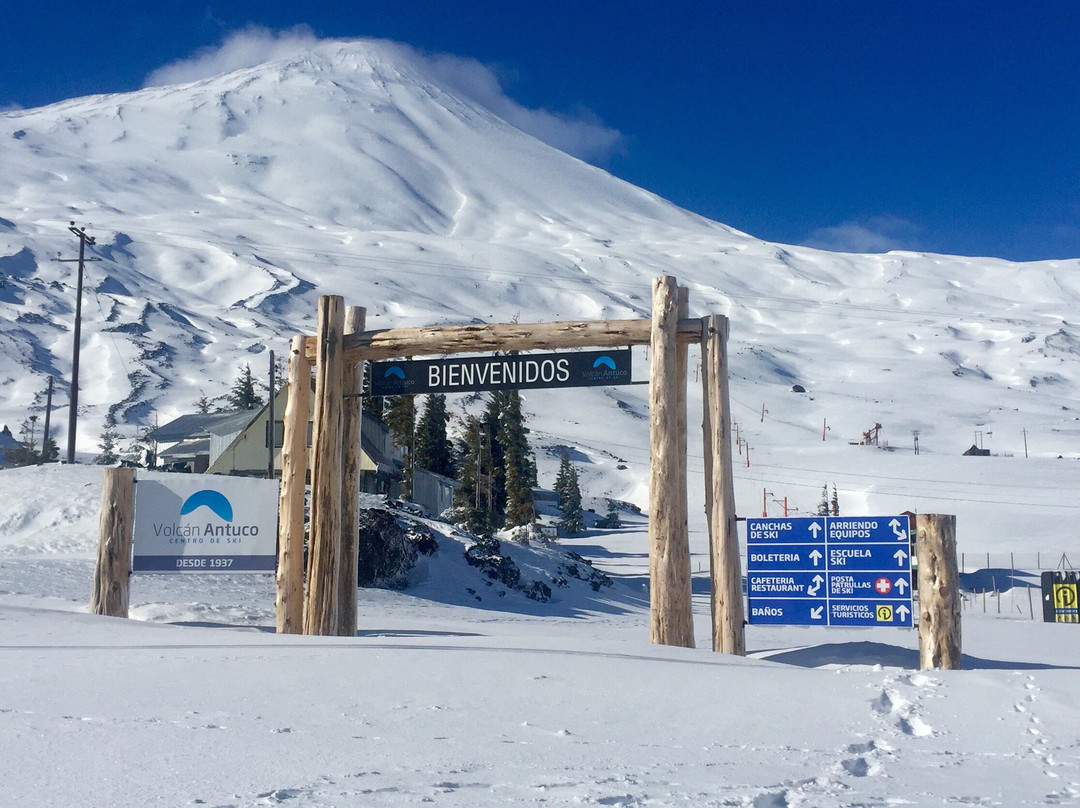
<point x="875" y="235"/>
<point x="580" y="133"/>
<point x="245" y="48"/>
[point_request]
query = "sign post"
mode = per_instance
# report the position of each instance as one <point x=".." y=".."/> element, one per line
<point x="829" y="571"/>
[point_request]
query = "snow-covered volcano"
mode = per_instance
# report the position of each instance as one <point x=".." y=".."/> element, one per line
<point x="222" y="209"/>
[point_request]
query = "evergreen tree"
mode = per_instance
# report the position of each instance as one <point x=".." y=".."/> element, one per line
<point x="573" y="519"/>
<point x="473" y="496"/>
<point x="489" y="423"/>
<point x="52" y="451"/>
<point x="244" y="395"/>
<point x="823" y="506"/>
<point x="400" y="418"/>
<point x="107" y="443"/>
<point x="26" y="454"/>
<point x="835" y="505"/>
<point x="520" y="473"/>
<point x="611" y="518"/>
<point x="203" y="403"/>
<point x="434" y="451"/>
<point x="562" y="479"/>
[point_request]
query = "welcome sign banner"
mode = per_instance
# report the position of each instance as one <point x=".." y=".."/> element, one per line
<point x="508" y="372"/>
<point x="204" y="523"/>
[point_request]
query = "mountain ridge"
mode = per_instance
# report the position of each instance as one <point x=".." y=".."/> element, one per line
<point x="223" y="207"/>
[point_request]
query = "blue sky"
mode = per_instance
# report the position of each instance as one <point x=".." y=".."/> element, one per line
<point x="940" y="126"/>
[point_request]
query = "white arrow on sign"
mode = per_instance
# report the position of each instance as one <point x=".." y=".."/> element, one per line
<point x="818" y="581"/>
<point x="815" y="528"/>
<point x="816" y="556"/>
<point x="902" y="610"/>
<point x="900" y="557"/>
<point x="901" y="584"/>
<point x="815" y="614"/>
<point x="901" y="535"/>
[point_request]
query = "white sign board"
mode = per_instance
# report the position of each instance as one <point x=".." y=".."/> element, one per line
<point x="204" y="523"/>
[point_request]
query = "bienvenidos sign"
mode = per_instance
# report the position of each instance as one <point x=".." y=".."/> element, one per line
<point x="505" y="372"/>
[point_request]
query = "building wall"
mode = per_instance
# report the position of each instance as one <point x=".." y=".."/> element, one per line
<point x="433" y="491"/>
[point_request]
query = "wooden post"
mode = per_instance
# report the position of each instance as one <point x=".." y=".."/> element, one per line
<point x="671" y="617"/>
<point x="681" y="364"/>
<point x="110" y="597"/>
<point x="350" y="481"/>
<point x="729" y="635"/>
<point x="290" y="568"/>
<point x="939" y="592"/>
<point x="321" y="603"/>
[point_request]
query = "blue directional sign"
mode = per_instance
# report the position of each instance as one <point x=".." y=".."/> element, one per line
<point x="829" y="571"/>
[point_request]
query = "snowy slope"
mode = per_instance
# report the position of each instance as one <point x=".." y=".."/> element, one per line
<point x="444" y="699"/>
<point x="224" y="207"/>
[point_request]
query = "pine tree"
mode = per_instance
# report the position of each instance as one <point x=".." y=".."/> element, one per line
<point x="203" y="403"/>
<point x="52" y="451"/>
<point x="107" y="443"/>
<point x="400" y="418"/>
<point x="835" y="505"/>
<point x="489" y="423"/>
<point x="244" y="395"/>
<point x="573" y="519"/>
<point x="562" y="479"/>
<point x="823" y="506"/>
<point x="473" y="496"/>
<point x="517" y="459"/>
<point x="26" y="454"/>
<point x="611" y="519"/>
<point x="434" y="451"/>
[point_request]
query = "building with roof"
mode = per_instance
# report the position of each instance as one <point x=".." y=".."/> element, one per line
<point x="237" y="443"/>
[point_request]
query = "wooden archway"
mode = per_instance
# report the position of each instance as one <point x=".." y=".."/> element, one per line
<point x="336" y="353"/>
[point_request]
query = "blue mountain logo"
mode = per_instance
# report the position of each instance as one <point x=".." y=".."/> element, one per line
<point x="605" y="361"/>
<point x="214" y="500"/>
<point x="394" y="371"/>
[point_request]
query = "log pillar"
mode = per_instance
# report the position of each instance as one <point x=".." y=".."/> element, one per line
<point x="939" y="592"/>
<point x="350" y="480"/>
<point x="111" y="576"/>
<point x="294" y="461"/>
<point x="321" y="602"/>
<point x="728" y="632"/>
<point x="670" y="615"/>
<point x="681" y="365"/>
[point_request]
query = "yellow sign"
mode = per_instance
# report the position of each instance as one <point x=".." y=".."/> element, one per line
<point x="884" y="614"/>
<point x="1065" y="603"/>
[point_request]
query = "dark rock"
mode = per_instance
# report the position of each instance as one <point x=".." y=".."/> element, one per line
<point x="385" y="555"/>
<point x="485" y="555"/>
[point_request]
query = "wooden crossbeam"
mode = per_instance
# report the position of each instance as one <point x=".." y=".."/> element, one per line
<point x="402" y="343"/>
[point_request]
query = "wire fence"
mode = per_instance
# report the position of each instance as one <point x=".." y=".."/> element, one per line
<point x="1020" y="562"/>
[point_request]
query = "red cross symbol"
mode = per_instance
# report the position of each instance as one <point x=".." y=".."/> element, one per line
<point x="883" y="585"/>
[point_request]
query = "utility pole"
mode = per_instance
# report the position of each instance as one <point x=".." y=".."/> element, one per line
<point x="48" y="414"/>
<point x="73" y="407"/>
